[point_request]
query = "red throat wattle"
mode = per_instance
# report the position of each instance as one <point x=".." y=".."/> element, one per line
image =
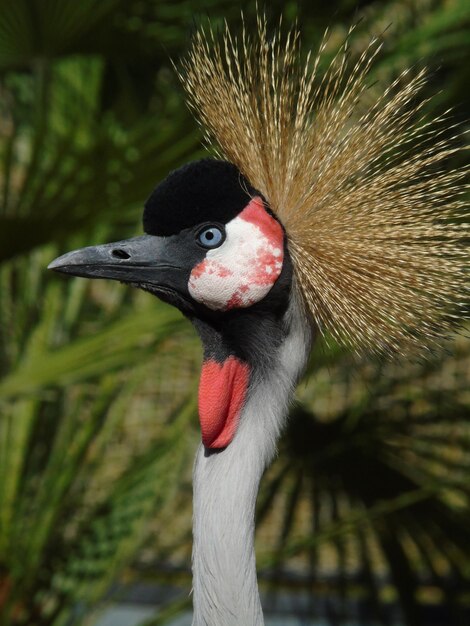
<point x="222" y="392"/>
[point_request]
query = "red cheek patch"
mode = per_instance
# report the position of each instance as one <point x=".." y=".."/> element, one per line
<point x="222" y="392"/>
<point x="256" y="214"/>
<point x="245" y="267"/>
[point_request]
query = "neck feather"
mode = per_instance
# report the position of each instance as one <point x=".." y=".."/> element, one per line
<point x="225" y="590"/>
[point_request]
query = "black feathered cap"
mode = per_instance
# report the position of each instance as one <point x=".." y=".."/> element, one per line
<point x="201" y="191"/>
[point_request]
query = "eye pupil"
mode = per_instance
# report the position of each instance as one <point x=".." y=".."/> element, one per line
<point x="211" y="236"/>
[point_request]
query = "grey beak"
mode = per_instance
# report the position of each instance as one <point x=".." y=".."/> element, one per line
<point x="110" y="260"/>
<point x="145" y="260"/>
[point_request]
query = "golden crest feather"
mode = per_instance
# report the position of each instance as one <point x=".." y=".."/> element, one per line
<point x="375" y="219"/>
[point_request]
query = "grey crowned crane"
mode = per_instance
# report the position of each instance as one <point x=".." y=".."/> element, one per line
<point x="316" y="218"/>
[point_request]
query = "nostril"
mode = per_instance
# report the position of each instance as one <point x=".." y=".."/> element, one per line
<point x="118" y="253"/>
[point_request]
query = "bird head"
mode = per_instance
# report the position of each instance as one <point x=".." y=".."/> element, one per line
<point x="213" y="249"/>
<point x="351" y="195"/>
<point x="211" y="246"/>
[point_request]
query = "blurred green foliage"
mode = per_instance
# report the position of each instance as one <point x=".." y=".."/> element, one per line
<point x="97" y="387"/>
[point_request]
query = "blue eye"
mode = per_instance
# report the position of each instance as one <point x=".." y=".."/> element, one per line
<point x="211" y="236"/>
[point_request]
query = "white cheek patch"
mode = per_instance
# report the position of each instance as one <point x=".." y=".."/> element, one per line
<point x="245" y="267"/>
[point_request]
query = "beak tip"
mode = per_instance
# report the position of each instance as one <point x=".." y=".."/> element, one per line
<point x="56" y="264"/>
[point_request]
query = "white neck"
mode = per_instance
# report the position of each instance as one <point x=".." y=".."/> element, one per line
<point x="225" y="588"/>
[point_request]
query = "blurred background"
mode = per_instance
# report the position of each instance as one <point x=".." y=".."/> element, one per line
<point x="364" y="518"/>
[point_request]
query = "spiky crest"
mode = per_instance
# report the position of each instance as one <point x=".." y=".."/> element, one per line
<point x="372" y="213"/>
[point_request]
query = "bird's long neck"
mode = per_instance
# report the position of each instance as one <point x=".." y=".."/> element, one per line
<point x="225" y="590"/>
